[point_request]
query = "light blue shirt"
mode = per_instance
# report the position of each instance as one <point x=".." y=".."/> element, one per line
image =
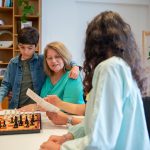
<point x="114" y="118"/>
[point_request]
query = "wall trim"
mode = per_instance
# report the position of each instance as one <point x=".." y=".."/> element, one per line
<point x="127" y="2"/>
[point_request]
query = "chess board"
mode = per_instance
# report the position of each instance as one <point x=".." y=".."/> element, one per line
<point x="30" y="123"/>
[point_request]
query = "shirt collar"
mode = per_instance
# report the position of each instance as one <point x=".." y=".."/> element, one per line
<point x="17" y="58"/>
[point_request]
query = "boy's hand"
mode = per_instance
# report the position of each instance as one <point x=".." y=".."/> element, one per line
<point x="28" y="108"/>
<point x="9" y="95"/>
<point x="74" y="72"/>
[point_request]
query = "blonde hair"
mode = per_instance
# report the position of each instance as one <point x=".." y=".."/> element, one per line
<point x="61" y="49"/>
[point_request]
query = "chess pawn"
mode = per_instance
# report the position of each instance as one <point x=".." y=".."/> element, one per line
<point x="11" y="119"/>
<point x="0" y="124"/>
<point x="20" y="121"/>
<point x="4" y="124"/>
<point x="27" y="124"/>
<point x="26" y="120"/>
<point x="16" y="122"/>
<point x="32" y="118"/>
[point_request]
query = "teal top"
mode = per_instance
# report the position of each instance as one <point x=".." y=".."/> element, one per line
<point x="114" y="117"/>
<point x="67" y="89"/>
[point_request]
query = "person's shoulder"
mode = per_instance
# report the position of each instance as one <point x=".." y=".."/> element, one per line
<point x="14" y="60"/>
<point x="112" y="62"/>
<point x="38" y="56"/>
<point x="41" y="56"/>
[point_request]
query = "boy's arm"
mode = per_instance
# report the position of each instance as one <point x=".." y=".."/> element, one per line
<point x="74" y="70"/>
<point x="5" y="85"/>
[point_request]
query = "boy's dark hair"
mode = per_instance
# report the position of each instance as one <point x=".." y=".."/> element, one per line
<point x="28" y="35"/>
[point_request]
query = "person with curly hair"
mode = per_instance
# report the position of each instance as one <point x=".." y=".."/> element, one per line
<point x="114" y="117"/>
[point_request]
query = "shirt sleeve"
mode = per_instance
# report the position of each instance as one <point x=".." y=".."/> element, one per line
<point x="73" y="91"/>
<point x="5" y="85"/>
<point x="104" y="123"/>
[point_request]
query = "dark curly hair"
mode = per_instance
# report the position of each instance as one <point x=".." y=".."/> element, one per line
<point x="108" y="32"/>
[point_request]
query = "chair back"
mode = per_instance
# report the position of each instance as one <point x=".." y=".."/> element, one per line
<point x="146" y="102"/>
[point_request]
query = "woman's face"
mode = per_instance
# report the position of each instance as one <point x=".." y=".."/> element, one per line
<point x="54" y="61"/>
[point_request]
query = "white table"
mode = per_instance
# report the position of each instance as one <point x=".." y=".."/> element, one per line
<point x="31" y="141"/>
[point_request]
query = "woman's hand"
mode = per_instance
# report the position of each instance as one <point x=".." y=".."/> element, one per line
<point x="50" y="145"/>
<point x="58" y="118"/>
<point x="54" y="142"/>
<point x="53" y="99"/>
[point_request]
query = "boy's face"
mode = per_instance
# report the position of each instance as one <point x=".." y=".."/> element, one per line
<point x="26" y="50"/>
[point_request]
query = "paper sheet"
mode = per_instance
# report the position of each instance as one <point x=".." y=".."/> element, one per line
<point x="40" y="101"/>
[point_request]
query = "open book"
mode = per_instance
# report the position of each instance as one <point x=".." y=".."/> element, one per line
<point x="41" y="102"/>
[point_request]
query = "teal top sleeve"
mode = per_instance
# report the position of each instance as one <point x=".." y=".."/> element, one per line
<point x="114" y="117"/>
<point x="67" y="89"/>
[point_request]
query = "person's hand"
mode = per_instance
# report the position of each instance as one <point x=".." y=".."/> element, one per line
<point x="74" y="72"/>
<point x="57" y="139"/>
<point x="50" y="145"/>
<point x="29" y="108"/>
<point x="9" y="95"/>
<point x="58" y="118"/>
<point x="53" y="99"/>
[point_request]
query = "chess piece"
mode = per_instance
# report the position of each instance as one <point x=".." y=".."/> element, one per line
<point x="32" y="118"/>
<point x="16" y="122"/>
<point x="27" y="123"/>
<point x="12" y="120"/>
<point x="0" y="124"/>
<point x="26" y="120"/>
<point x="4" y="124"/>
<point x="20" y="121"/>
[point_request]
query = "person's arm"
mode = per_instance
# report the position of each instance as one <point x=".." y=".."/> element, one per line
<point x="5" y="85"/>
<point x="77" y="109"/>
<point x="61" y="118"/>
<point x="29" y="108"/>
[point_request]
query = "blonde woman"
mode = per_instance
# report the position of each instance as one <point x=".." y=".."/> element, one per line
<point x="57" y="60"/>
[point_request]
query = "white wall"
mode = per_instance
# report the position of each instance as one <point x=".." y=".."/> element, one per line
<point x="66" y="20"/>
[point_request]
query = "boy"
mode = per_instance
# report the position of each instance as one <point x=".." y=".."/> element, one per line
<point x="25" y="71"/>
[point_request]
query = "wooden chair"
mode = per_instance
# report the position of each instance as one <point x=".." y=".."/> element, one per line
<point x="5" y="103"/>
<point x="146" y="102"/>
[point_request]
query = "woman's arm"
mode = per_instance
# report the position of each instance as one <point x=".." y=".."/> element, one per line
<point x="61" y="118"/>
<point x="77" y="109"/>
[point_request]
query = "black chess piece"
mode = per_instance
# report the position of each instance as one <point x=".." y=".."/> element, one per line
<point x="4" y="124"/>
<point x="26" y="120"/>
<point x="12" y="120"/>
<point x="32" y="118"/>
<point x="27" y="124"/>
<point x="16" y="122"/>
<point x="20" y="121"/>
<point x="31" y="122"/>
